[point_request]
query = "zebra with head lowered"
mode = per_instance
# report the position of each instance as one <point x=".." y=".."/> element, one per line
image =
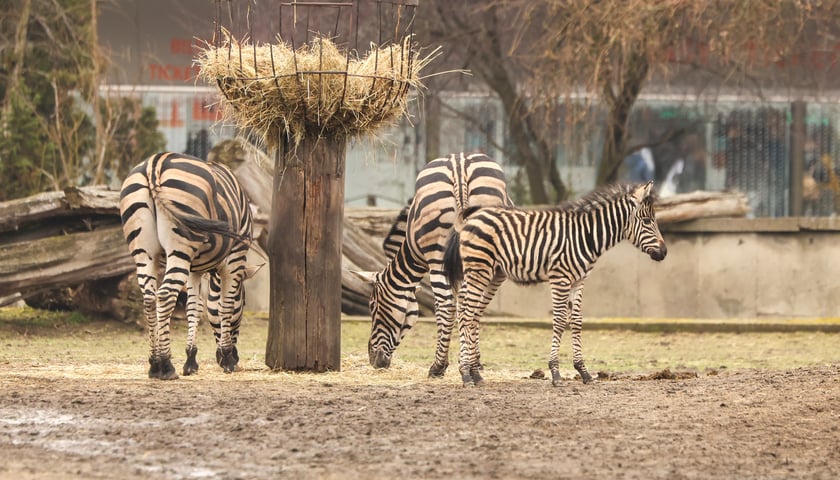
<point x="557" y="245"/>
<point x="444" y="188"/>
<point x="187" y="217"/>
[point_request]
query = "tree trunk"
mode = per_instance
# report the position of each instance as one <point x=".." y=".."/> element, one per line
<point x="614" y="143"/>
<point x="17" y="58"/>
<point x="304" y="242"/>
<point x="619" y="102"/>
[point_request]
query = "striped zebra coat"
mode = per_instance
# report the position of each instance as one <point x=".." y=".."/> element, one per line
<point x="444" y="187"/>
<point x="558" y="245"/>
<point x="182" y="218"/>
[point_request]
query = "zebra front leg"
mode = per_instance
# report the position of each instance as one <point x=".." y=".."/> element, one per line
<point x="576" y="323"/>
<point x="560" y="313"/>
<point x="193" y="317"/>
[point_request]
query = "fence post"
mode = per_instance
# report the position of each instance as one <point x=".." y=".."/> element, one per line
<point x="797" y="155"/>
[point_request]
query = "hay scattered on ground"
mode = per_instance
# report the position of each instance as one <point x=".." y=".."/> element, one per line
<point x="271" y="88"/>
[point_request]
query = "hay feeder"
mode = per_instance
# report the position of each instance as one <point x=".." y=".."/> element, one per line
<point x="292" y="74"/>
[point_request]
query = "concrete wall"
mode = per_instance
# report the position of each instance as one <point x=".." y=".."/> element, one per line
<point x="715" y="269"/>
<point x="727" y="268"/>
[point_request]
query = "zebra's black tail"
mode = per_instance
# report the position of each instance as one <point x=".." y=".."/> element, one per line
<point x="199" y="226"/>
<point x="453" y="269"/>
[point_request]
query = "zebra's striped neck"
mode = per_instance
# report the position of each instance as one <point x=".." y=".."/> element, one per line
<point x="601" y="226"/>
<point x="403" y="272"/>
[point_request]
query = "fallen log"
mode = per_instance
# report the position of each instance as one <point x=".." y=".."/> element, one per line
<point x="701" y="204"/>
<point x="72" y="202"/>
<point x="63" y="260"/>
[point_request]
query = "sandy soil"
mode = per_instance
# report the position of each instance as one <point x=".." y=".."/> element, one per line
<point x="89" y="421"/>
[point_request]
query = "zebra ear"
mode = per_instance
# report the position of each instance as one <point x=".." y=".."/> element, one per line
<point x="252" y="270"/>
<point x="641" y="192"/>
<point x="369" y="277"/>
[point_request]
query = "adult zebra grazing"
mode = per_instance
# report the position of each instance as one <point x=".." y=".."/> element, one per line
<point x="557" y="245"/>
<point x="444" y="188"/>
<point x="190" y="217"/>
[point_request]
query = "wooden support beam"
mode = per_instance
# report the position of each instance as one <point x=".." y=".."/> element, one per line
<point x="304" y="249"/>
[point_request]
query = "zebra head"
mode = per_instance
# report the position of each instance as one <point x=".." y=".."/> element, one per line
<point x="642" y="229"/>
<point x="388" y="315"/>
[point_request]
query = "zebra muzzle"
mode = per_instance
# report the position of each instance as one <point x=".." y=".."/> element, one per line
<point x="380" y="359"/>
<point x="659" y="254"/>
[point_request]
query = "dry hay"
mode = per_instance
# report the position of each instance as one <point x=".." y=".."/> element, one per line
<point x="315" y="89"/>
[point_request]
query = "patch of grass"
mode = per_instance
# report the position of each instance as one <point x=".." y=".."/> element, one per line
<point x="33" y="337"/>
<point x="25" y="318"/>
<point x="510" y="346"/>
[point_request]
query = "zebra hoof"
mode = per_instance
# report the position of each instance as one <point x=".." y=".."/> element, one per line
<point x="467" y="379"/>
<point x="227" y="359"/>
<point x="191" y="365"/>
<point x="472" y="378"/>
<point x="437" y="371"/>
<point x="584" y="374"/>
<point x="154" y="367"/>
<point x="161" y="368"/>
<point x="477" y="377"/>
<point x="556" y="381"/>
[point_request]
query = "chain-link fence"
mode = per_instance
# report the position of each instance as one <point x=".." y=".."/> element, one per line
<point x="686" y="146"/>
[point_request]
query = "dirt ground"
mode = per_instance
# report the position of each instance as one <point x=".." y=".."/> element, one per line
<point x="75" y="403"/>
<point x="92" y="421"/>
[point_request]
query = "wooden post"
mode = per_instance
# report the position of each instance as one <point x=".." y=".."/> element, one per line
<point x="304" y="242"/>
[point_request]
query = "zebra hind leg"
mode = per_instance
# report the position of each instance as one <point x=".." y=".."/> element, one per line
<point x="219" y="313"/>
<point x="576" y="324"/>
<point x="193" y="317"/>
<point x="468" y="359"/>
<point x="444" y="310"/>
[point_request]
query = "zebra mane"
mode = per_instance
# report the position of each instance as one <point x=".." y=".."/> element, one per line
<point x="600" y="197"/>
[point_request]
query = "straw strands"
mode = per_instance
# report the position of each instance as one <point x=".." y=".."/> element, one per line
<point x="316" y="89"/>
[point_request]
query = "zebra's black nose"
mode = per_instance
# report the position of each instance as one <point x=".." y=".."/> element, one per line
<point x="659" y="254"/>
<point x="380" y="359"/>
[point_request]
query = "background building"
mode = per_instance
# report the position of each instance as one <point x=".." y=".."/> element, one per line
<point x="734" y="141"/>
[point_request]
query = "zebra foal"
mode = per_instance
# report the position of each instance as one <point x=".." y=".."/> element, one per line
<point x="556" y="245"/>
<point x="444" y="187"/>
<point x="182" y="218"/>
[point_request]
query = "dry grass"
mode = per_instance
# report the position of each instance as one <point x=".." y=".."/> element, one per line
<point x="41" y="343"/>
<point x="273" y="89"/>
